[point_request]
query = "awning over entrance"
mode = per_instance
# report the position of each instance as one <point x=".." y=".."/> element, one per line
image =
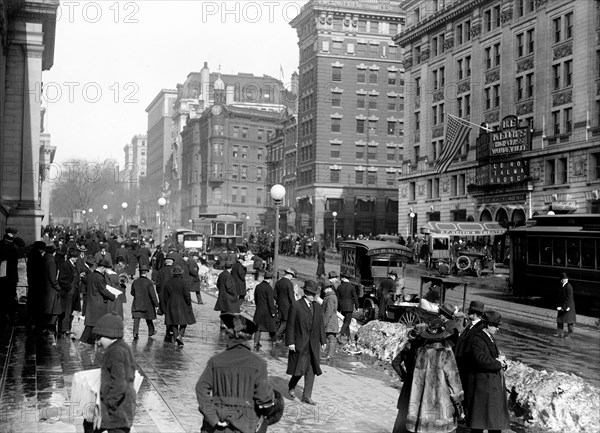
<point x="463" y="228"/>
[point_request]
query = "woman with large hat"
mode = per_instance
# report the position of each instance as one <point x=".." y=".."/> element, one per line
<point x="233" y="392"/>
<point x="487" y="407"/>
<point x="436" y="392"/>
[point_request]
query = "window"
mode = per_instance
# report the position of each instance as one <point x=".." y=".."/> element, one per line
<point x="361" y="76"/>
<point x="350" y="48"/>
<point x="497" y="54"/>
<point x="360" y="152"/>
<point x="391" y="154"/>
<point x="373" y="77"/>
<point x="568" y="115"/>
<point x="244" y="174"/>
<point x="434" y="46"/>
<point x="336" y="74"/>
<point x="391" y="103"/>
<point x="244" y="152"/>
<point x="556" y="76"/>
<point x="244" y="132"/>
<point x="569" y="25"/>
<point x="234" y="194"/>
<point x="372" y="178"/>
<point x="467" y="105"/>
<point x="417" y="121"/>
<point x="529" y="85"/>
<point x="259" y="174"/>
<point x="259" y="196"/>
<point x="530" y="41"/>
<point x="467" y="66"/>
<point x="391" y="179"/>
<point x="235" y="150"/>
<point x="336" y="150"/>
<point x="334" y="176"/>
<point x="243" y="194"/>
<point x="417" y="87"/>
<point x="360" y="101"/>
<point x="391" y="128"/>
<point x="496" y="92"/>
<point x="434" y="114"/>
<point x="360" y="126"/>
<point x="568" y="70"/>
<point x="487" y="20"/>
<point x="557" y="25"/>
<point x="496" y="15"/>
<point x="487" y="98"/>
<point x="260" y="134"/>
<point x="371" y="152"/>
<point x="373" y="126"/>
<point x="373" y="102"/>
<point x="337" y="47"/>
<point x="392" y="78"/>
<point x="236" y="131"/>
<point x="260" y="153"/>
<point x="556" y="122"/>
<point x="336" y="99"/>
<point x="520" y="45"/>
<point x="359" y="177"/>
<point x="235" y="168"/>
<point x="488" y="57"/>
<point x="595" y="171"/>
<point x="556" y="171"/>
<point x="336" y="125"/>
<point x="459" y="106"/>
<point x="459" y="34"/>
<point x="325" y="46"/>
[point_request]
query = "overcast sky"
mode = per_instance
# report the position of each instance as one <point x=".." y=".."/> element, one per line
<point x="111" y="59"/>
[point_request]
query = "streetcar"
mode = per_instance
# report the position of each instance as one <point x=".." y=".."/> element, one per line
<point x="549" y="245"/>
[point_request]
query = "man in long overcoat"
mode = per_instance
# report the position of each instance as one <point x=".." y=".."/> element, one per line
<point x="566" y="312"/>
<point x="347" y="302"/>
<point x="176" y="303"/>
<point x="284" y="297"/>
<point x="194" y="277"/>
<point x="51" y="307"/>
<point x="488" y="408"/>
<point x="227" y="298"/>
<point x="144" y="303"/>
<point x="462" y="350"/>
<point x="238" y="272"/>
<point x="164" y="274"/>
<point x="35" y="282"/>
<point x="266" y="310"/>
<point x="68" y="280"/>
<point x="304" y="337"/>
<point x="82" y="271"/>
<point x="144" y="255"/>
<point x="98" y="300"/>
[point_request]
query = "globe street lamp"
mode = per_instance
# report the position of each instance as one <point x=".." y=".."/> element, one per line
<point x="412" y="216"/>
<point x="105" y="208"/>
<point x="191" y="223"/>
<point x="277" y="194"/>
<point x="334" y="214"/>
<point x="161" y="204"/>
<point x="124" y="207"/>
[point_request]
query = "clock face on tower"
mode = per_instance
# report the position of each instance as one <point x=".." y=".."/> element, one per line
<point x="216" y="110"/>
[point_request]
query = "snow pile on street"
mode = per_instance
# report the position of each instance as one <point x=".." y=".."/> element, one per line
<point x="382" y="339"/>
<point x="548" y="401"/>
<point x="552" y="401"/>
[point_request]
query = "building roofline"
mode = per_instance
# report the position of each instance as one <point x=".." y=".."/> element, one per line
<point x="158" y="95"/>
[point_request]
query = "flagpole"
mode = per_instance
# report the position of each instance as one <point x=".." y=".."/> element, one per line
<point x="587" y="125"/>
<point x="471" y="123"/>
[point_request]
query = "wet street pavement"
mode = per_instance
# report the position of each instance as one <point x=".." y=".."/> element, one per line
<point x="355" y="393"/>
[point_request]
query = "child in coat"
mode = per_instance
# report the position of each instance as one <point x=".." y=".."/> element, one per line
<point x="117" y="392"/>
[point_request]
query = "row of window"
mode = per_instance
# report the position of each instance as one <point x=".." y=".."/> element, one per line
<point x="360" y="177"/>
<point x="371" y="49"/>
<point x="562" y="30"/>
<point x="240" y="195"/>
<point x="561" y="252"/>
<point x="236" y="153"/>
<point x="370" y="152"/>
<point x="458" y="187"/>
<point x="371" y="128"/>
<point x="394" y="103"/>
<point x="244" y="132"/>
<point x="394" y="78"/>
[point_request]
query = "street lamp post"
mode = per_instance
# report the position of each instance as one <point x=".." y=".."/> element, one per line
<point x="124" y="207"/>
<point x="277" y="194"/>
<point x="191" y="224"/>
<point x="412" y="216"/>
<point x="161" y="204"/>
<point x="334" y="214"/>
<point x="105" y="208"/>
<point x="85" y="223"/>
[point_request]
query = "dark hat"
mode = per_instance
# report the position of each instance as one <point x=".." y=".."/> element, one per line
<point x="269" y="274"/>
<point x="81" y="248"/>
<point x="476" y="307"/>
<point x="492" y="318"/>
<point x="327" y="283"/>
<point x="110" y="326"/>
<point x="39" y="245"/>
<point x="169" y="256"/>
<point x="563" y="276"/>
<point x="177" y="270"/>
<point x="332" y="274"/>
<point x="72" y="253"/>
<point x="158" y="247"/>
<point x="447" y="310"/>
<point x="239" y="322"/>
<point x="90" y="260"/>
<point x="273" y="412"/>
<point x="104" y="263"/>
<point x="434" y="294"/>
<point x="144" y="268"/>
<point x="50" y="248"/>
<point x="436" y="330"/>
<point x="291" y="271"/>
<point x="310" y="287"/>
<point x="120" y="259"/>
<point x="227" y="264"/>
<point x="10" y="232"/>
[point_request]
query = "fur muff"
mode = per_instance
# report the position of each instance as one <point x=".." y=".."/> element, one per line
<point x="436" y="387"/>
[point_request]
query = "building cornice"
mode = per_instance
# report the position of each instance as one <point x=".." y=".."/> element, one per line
<point x="432" y="22"/>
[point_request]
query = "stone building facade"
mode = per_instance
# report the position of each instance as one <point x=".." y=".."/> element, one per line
<point x="27" y="32"/>
<point x="527" y="70"/>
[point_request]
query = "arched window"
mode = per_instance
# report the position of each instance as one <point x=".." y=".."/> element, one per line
<point x="485" y="215"/>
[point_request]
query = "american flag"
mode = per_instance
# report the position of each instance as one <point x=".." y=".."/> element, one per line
<point x="456" y="132"/>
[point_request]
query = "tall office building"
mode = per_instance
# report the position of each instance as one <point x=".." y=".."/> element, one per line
<point x="160" y="136"/>
<point x="526" y="70"/>
<point x="350" y="116"/>
<point x="135" y="168"/>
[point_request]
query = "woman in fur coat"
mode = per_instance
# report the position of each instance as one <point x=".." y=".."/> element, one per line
<point x="436" y="392"/>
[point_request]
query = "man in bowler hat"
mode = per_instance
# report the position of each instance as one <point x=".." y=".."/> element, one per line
<point x="304" y="337"/>
<point x="566" y="312"/>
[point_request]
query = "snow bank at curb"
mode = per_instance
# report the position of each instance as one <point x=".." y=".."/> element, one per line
<point x="552" y="401"/>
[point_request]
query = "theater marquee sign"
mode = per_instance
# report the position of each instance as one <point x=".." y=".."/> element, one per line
<point x="499" y="153"/>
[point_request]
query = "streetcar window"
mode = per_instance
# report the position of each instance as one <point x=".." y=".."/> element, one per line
<point x="239" y="229"/>
<point x="533" y="248"/>
<point x="220" y="228"/>
<point x="230" y="229"/>
<point x="587" y="253"/>
<point x="573" y="253"/>
<point x="559" y="252"/>
<point x="546" y="251"/>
